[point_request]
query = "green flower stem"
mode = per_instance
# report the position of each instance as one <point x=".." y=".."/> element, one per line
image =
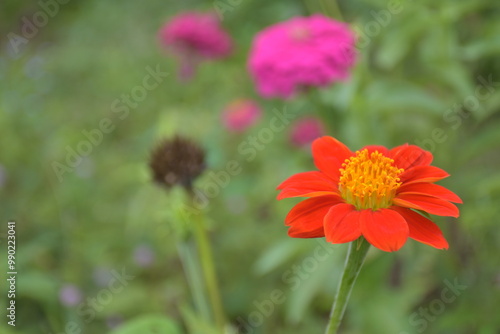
<point x="194" y="278"/>
<point x="333" y="117"/>
<point x="354" y="261"/>
<point x="208" y="268"/>
<point x="327" y="7"/>
<point x="332" y="8"/>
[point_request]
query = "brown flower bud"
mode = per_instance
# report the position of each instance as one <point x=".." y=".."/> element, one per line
<point x="177" y="161"/>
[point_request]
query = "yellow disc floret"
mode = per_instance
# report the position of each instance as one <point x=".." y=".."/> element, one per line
<point x="369" y="180"/>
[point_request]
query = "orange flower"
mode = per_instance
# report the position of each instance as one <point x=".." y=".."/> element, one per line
<point x="374" y="192"/>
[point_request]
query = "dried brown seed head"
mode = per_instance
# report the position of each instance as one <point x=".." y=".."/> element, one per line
<point x="177" y="161"/>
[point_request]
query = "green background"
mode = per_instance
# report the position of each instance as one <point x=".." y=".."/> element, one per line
<point x="419" y="80"/>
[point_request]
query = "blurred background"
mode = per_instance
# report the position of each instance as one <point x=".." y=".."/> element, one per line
<point x="99" y="248"/>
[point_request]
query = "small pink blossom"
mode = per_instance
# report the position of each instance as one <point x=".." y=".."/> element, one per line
<point x="241" y="114"/>
<point x="301" y="52"/>
<point x="304" y="131"/>
<point x="70" y="295"/>
<point x="144" y="256"/>
<point x="193" y="37"/>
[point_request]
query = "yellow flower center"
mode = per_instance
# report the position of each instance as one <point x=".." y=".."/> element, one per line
<point x="369" y="181"/>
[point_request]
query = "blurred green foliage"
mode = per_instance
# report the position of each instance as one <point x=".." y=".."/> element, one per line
<point x="420" y="79"/>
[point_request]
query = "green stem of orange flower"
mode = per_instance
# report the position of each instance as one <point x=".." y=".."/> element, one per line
<point x="208" y="267"/>
<point x="355" y="258"/>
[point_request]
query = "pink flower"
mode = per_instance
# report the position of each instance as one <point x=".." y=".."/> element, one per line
<point x="306" y="130"/>
<point x="240" y="114"/>
<point x="301" y="52"/>
<point x="144" y="256"/>
<point x="70" y="295"/>
<point x="194" y="36"/>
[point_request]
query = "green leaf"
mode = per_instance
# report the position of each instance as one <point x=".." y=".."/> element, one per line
<point x="309" y="288"/>
<point x="275" y="256"/>
<point x="488" y="138"/>
<point x="397" y="43"/>
<point x="195" y="323"/>
<point x="393" y="96"/>
<point x="488" y="45"/>
<point x="38" y="286"/>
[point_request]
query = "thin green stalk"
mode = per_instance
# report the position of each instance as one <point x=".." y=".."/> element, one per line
<point x="194" y="278"/>
<point x="308" y="6"/>
<point x="354" y="261"/>
<point x="332" y="9"/>
<point x="208" y="267"/>
<point x="333" y="117"/>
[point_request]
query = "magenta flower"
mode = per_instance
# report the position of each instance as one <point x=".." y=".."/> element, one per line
<point x="305" y="130"/>
<point x="301" y="52"/>
<point x="240" y="114"/>
<point x="193" y="37"/>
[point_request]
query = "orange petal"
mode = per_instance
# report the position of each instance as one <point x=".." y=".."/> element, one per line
<point x="306" y="218"/>
<point x="329" y="155"/>
<point x="297" y="232"/>
<point x="429" y="204"/>
<point x="341" y="224"/>
<point x="429" y="189"/>
<point x="395" y="150"/>
<point x="422" y="229"/>
<point x="408" y="156"/>
<point x="311" y="211"/>
<point x="385" y="229"/>
<point x="423" y="174"/>
<point x="307" y="184"/>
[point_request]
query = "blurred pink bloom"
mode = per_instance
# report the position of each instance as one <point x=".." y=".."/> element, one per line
<point x="240" y="114"/>
<point x="306" y="130"/>
<point x="70" y="295"/>
<point x="301" y="52"/>
<point x="144" y="256"/>
<point x="194" y="36"/>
